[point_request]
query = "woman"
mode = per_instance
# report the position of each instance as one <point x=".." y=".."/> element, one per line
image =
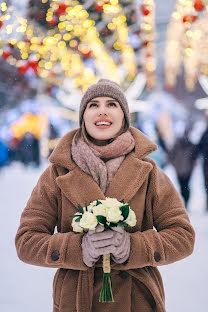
<point x="105" y="158"/>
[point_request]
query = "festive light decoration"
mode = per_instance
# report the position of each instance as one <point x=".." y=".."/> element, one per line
<point x="148" y="35"/>
<point x="84" y="40"/>
<point x="187" y="42"/>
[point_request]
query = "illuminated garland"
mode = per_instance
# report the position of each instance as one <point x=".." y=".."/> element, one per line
<point x="147" y="8"/>
<point x="71" y="37"/>
<point x="187" y="42"/>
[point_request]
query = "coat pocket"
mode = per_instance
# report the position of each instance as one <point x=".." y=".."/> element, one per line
<point x="57" y="287"/>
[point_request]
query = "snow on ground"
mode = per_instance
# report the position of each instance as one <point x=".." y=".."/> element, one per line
<point x="29" y="288"/>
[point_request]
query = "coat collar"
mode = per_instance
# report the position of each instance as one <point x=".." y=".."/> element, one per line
<point x="79" y="187"/>
<point x="61" y="155"/>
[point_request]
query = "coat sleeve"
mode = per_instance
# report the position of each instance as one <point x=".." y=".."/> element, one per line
<point x="172" y="238"/>
<point x="35" y="241"/>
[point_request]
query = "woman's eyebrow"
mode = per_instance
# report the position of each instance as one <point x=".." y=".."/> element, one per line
<point x="93" y="101"/>
<point x="112" y="101"/>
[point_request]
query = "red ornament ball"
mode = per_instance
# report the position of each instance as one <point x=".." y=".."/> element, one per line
<point x="194" y="18"/>
<point x="61" y="9"/>
<point x="144" y="10"/>
<point x="6" y="54"/>
<point x="23" y="69"/>
<point x="99" y="7"/>
<point x="53" y="22"/>
<point x="198" y="5"/>
<point x="34" y="65"/>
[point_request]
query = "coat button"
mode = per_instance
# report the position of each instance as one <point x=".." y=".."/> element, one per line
<point x="157" y="256"/>
<point x="55" y="255"/>
<point x="123" y="274"/>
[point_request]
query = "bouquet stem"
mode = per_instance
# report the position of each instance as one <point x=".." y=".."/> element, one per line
<point x="106" y="293"/>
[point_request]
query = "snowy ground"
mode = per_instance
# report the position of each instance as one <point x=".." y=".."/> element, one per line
<point x="28" y="288"/>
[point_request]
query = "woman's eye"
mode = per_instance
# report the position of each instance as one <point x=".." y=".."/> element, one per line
<point x="112" y="104"/>
<point x="92" y="105"/>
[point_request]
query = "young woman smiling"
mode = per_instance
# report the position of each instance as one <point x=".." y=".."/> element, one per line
<point x="105" y="157"/>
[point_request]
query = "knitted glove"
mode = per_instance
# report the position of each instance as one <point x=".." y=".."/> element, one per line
<point x="96" y="243"/>
<point x="121" y="253"/>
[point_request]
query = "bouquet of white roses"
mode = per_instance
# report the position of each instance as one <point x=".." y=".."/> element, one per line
<point x="109" y="213"/>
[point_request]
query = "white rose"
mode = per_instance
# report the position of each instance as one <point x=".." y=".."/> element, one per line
<point x="91" y="206"/>
<point x="131" y="220"/>
<point x="88" y="221"/>
<point x="114" y="214"/>
<point x="99" y="210"/>
<point x="111" y="202"/>
<point x="76" y="225"/>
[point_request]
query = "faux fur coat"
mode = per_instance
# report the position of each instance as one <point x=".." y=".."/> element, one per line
<point x="162" y="235"/>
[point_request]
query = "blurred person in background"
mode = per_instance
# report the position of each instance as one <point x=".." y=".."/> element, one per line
<point x="160" y="155"/>
<point x="29" y="150"/>
<point x="182" y="156"/>
<point x="52" y="136"/>
<point x="202" y="150"/>
<point x="105" y="157"/>
<point x="4" y="156"/>
<point x="13" y="146"/>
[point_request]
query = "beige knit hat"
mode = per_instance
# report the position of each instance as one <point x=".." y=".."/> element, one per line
<point x="105" y="87"/>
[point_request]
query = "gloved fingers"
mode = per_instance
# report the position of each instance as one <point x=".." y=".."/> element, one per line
<point x="118" y="229"/>
<point x="89" y="255"/>
<point x="102" y="235"/>
<point x="99" y="228"/>
<point x="120" y="260"/>
<point x="118" y="238"/>
<point x="104" y="243"/>
<point x="122" y="256"/>
<point x="124" y="247"/>
<point x="105" y="250"/>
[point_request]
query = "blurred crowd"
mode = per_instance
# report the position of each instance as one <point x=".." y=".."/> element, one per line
<point x="182" y="153"/>
<point x="26" y="150"/>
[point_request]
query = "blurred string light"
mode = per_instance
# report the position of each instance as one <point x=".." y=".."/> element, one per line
<point x="187" y="42"/>
<point x="72" y="37"/>
<point x="147" y="16"/>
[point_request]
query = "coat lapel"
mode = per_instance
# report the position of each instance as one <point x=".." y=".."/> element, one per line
<point x="129" y="178"/>
<point x="79" y="187"/>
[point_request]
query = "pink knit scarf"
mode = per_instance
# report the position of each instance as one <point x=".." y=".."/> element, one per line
<point x="102" y="162"/>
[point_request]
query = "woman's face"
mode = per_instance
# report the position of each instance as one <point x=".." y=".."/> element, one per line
<point x="103" y="118"/>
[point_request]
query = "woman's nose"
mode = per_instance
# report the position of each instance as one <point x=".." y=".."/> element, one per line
<point x="102" y="111"/>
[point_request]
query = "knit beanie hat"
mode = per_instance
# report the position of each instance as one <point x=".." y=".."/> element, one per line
<point x="105" y="87"/>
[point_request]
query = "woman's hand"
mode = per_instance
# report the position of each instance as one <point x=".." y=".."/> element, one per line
<point x="122" y="249"/>
<point x="96" y="243"/>
<point x="100" y="242"/>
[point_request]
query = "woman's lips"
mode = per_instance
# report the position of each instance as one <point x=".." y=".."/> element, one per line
<point x="102" y="126"/>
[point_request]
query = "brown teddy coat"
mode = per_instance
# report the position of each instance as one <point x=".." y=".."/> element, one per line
<point x="162" y="235"/>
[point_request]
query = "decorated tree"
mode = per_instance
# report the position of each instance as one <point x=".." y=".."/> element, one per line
<point x="80" y="40"/>
<point x="186" y="47"/>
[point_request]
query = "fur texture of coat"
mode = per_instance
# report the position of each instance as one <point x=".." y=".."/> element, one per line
<point x="163" y="233"/>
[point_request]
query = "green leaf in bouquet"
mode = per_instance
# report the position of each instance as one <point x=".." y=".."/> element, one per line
<point x="101" y="219"/>
<point x="106" y="226"/>
<point x="113" y="224"/>
<point x="80" y="208"/>
<point x="122" y="201"/>
<point x="86" y="206"/>
<point x="98" y="202"/>
<point x="78" y="219"/>
<point x="125" y="211"/>
<point x="121" y="223"/>
<point x="74" y="216"/>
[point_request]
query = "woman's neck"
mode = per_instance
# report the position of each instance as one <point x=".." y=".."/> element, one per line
<point x="100" y="142"/>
